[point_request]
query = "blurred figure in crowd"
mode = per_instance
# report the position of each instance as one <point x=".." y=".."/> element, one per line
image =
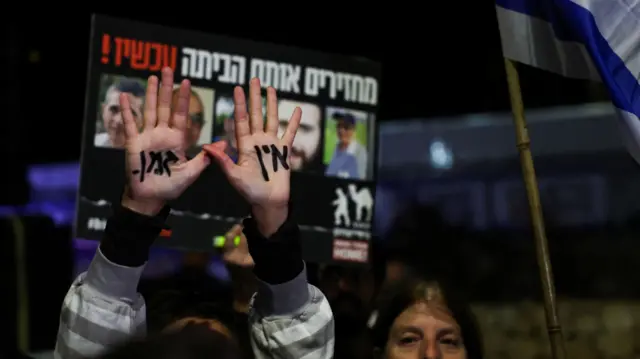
<point x="114" y="136"/>
<point x="306" y="145"/>
<point x="424" y="319"/>
<point x="351" y="291"/>
<point x="349" y="158"/>
<point x="193" y="296"/>
<point x="417" y="233"/>
<point x="194" y="341"/>
<point x="195" y="121"/>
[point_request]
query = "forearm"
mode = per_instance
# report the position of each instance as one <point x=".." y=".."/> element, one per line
<point x="102" y="307"/>
<point x="289" y="316"/>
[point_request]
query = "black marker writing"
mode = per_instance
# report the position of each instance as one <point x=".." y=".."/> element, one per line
<point x="159" y="164"/>
<point x="143" y="162"/>
<point x="265" y="174"/>
<point x="277" y="156"/>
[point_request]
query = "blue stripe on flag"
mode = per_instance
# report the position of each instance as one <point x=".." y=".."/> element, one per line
<point x="572" y="21"/>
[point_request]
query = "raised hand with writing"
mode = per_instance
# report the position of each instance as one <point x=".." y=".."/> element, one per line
<point x="262" y="173"/>
<point x="157" y="169"/>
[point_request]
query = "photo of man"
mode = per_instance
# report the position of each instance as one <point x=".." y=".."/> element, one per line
<point x="109" y="131"/>
<point x="224" y="128"/>
<point x="347" y="137"/>
<point x="200" y="120"/>
<point x="306" y="146"/>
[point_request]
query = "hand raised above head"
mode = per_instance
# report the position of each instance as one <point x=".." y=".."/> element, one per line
<point x="157" y="169"/>
<point x="262" y="174"/>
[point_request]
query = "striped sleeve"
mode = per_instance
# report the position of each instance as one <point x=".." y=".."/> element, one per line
<point x="291" y="320"/>
<point x="101" y="309"/>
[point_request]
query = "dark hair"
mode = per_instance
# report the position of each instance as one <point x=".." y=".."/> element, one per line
<point x="399" y="296"/>
<point x="130" y="86"/>
<point x="192" y="342"/>
<point x="344" y="117"/>
<point x="166" y="307"/>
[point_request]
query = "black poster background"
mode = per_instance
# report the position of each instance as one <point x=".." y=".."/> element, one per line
<point x="211" y="206"/>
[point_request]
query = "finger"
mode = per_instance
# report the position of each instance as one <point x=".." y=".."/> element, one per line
<point x="130" y="127"/>
<point x="151" y="102"/>
<point x="164" y="98"/>
<point x="255" y="101"/>
<point x="272" y="112"/>
<point x="219" y="145"/>
<point x="240" y="115"/>
<point x="195" y="166"/>
<point x="232" y="236"/>
<point x="224" y="161"/>
<point x="181" y="112"/>
<point x="234" y="231"/>
<point x="292" y="128"/>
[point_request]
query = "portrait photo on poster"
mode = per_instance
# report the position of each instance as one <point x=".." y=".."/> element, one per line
<point x="200" y="120"/>
<point x="224" y="125"/>
<point x="109" y="129"/>
<point x="348" y="143"/>
<point x="305" y="152"/>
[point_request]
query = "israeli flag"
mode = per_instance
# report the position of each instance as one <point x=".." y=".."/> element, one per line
<point x="585" y="39"/>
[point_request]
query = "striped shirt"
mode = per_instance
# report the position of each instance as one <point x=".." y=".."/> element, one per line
<point x="103" y="309"/>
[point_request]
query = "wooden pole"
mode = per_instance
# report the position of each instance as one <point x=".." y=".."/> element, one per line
<point x="523" y="143"/>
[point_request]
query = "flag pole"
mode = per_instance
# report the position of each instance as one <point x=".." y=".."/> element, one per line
<point x="523" y="143"/>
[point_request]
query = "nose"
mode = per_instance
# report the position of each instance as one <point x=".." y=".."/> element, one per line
<point x="432" y="351"/>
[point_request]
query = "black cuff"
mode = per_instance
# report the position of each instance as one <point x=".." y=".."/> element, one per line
<point x="279" y="258"/>
<point x="129" y="235"/>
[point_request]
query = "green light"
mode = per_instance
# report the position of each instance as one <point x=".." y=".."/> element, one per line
<point x="218" y="241"/>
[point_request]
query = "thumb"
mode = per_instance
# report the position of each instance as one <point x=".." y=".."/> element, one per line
<point x="195" y="166"/>
<point x="217" y="152"/>
<point x="231" y="235"/>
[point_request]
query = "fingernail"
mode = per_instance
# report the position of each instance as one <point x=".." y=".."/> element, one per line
<point x="236" y="241"/>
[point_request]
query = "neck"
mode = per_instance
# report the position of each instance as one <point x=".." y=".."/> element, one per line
<point x="343" y="145"/>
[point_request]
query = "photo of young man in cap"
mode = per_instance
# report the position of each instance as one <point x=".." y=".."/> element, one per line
<point x="349" y="158"/>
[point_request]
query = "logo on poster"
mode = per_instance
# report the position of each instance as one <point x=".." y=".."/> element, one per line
<point x="350" y="251"/>
<point x="360" y="225"/>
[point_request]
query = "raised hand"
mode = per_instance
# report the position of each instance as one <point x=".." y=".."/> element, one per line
<point x="262" y="173"/>
<point x="157" y="169"/>
<point x="236" y="251"/>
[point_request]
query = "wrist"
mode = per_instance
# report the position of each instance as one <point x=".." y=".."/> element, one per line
<point x="269" y="219"/>
<point x="145" y="207"/>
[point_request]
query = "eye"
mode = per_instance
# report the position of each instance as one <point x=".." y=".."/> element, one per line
<point x="452" y="342"/>
<point x="408" y="340"/>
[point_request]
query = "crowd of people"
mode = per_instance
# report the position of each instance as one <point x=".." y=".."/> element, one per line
<point x="408" y="311"/>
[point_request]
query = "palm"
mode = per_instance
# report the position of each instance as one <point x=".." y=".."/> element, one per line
<point x="260" y="176"/>
<point x="276" y="190"/>
<point x="156" y="164"/>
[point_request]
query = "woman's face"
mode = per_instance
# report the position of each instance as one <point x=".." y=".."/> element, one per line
<point x="425" y="330"/>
